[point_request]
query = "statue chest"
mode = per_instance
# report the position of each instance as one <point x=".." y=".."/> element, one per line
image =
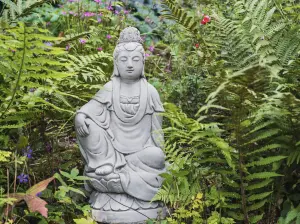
<point x="130" y="137"/>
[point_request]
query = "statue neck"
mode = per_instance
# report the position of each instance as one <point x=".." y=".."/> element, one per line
<point x="129" y="81"/>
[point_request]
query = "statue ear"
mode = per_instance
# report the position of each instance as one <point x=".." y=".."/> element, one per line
<point x="143" y="72"/>
<point x="116" y="71"/>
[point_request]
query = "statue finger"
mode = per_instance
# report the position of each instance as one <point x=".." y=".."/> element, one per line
<point x="82" y="132"/>
<point x="85" y="129"/>
<point x="79" y="132"/>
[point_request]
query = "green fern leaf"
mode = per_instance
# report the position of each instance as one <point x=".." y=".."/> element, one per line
<point x="265" y="148"/>
<point x="265" y="134"/>
<point x="256" y="206"/>
<point x="230" y="195"/>
<point x="259" y="184"/>
<point x="266" y="161"/>
<point x="255" y="219"/>
<point x="292" y="215"/>
<point x="260" y="196"/>
<point x="262" y="175"/>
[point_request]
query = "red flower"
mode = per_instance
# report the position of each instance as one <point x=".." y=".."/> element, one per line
<point x="205" y="20"/>
<point x="197" y="45"/>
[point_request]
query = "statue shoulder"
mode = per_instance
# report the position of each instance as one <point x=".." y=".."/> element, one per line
<point x="108" y="86"/>
<point x="104" y="95"/>
<point x="154" y="100"/>
<point x="153" y="91"/>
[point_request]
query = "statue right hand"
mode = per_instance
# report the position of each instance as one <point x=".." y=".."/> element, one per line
<point x="81" y="125"/>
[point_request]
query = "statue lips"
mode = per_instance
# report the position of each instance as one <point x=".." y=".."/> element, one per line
<point x="130" y="70"/>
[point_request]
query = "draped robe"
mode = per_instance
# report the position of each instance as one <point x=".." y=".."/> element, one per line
<point x="129" y="141"/>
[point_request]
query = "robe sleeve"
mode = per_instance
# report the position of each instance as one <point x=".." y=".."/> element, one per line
<point x="154" y="100"/>
<point x="155" y="109"/>
<point x="97" y="108"/>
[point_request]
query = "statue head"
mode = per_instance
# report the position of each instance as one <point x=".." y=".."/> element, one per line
<point x="129" y="55"/>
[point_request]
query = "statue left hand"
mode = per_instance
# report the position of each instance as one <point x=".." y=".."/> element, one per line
<point x="81" y="125"/>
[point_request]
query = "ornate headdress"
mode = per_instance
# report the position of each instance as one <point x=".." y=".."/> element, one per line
<point x="130" y="34"/>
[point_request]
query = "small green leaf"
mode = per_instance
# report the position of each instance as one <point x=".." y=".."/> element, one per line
<point x="76" y="191"/>
<point x="74" y="172"/>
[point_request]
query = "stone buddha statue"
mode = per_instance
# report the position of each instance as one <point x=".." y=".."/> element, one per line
<point x="120" y="138"/>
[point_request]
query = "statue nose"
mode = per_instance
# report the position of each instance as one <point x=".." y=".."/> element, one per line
<point x="129" y="64"/>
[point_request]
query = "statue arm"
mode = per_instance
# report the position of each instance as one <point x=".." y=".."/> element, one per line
<point x="157" y="118"/>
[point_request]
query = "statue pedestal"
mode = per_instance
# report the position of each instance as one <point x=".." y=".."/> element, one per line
<point x="128" y="217"/>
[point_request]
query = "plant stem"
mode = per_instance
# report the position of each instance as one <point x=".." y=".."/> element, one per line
<point x="19" y="75"/>
<point x="16" y="164"/>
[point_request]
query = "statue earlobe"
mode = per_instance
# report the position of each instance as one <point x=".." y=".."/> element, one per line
<point x="116" y="71"/>
<point x="143" y="72"/>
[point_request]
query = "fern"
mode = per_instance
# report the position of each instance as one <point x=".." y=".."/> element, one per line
<point x="178" y="14"/>
<point x="20" y="9"/>
<point x="90" y="66"/>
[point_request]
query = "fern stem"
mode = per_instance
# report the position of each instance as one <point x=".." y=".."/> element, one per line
<point x="241" y="161"/>
<point x="19" y="75"/>
<point x="7" y="206"/>
<point x="243" y="195"/>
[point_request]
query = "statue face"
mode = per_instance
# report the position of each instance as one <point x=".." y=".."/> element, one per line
<point x="130" y="64"/>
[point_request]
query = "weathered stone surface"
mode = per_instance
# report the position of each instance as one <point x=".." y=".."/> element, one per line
<point x="120" y="138"/>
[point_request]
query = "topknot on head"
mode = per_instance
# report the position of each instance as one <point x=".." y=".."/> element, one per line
<point x="130" y="34"/>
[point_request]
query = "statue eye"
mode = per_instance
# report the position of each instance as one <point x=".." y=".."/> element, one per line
<point x="136" y="58"/>
<point x="123" y="59"/>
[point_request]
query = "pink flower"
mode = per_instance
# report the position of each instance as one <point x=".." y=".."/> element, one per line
<point x="88" y="14"/>
<point x="109" y="7"/>
<point x="99" y="20"/>
<point x="68" y="47"/>
<point x="71" y="13"/>
<point x="63" y="12"/>
<point x="82" y="41"/>
<point x="126" y="12"/>
<point x="98" y="1"/>
<point x="108" y="36"/>
<point x="99" y="49"/>
<point x="151" y="48"/>
<point x="147" y="55"/>
<point x="116" y="12"/>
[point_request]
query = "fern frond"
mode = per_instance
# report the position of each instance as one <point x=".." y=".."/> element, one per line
<point x="260" y="196"/>
<point x="266" y="161"/>
<point x="180" y="16"/>
<point x="262" y="175"/>
<point x="259" y="184"/>
<point x="256" y="206"/>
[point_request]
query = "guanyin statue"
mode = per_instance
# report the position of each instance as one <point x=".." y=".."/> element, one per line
<point x="120" y="138"/>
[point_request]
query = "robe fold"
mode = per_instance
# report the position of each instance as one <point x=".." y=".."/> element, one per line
<point x="130" y="142"/>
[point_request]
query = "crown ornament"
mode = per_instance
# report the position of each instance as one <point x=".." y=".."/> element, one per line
<point x="130" y="34"/>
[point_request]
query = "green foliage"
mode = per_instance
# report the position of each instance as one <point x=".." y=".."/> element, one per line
<point x="232" y="141"/>
<point x="254" y="103"/>
<point x="20" y="9"/>
<point x="179" y="15"/>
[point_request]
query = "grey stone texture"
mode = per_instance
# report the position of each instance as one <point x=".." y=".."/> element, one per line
<point x="120" y="138"/>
